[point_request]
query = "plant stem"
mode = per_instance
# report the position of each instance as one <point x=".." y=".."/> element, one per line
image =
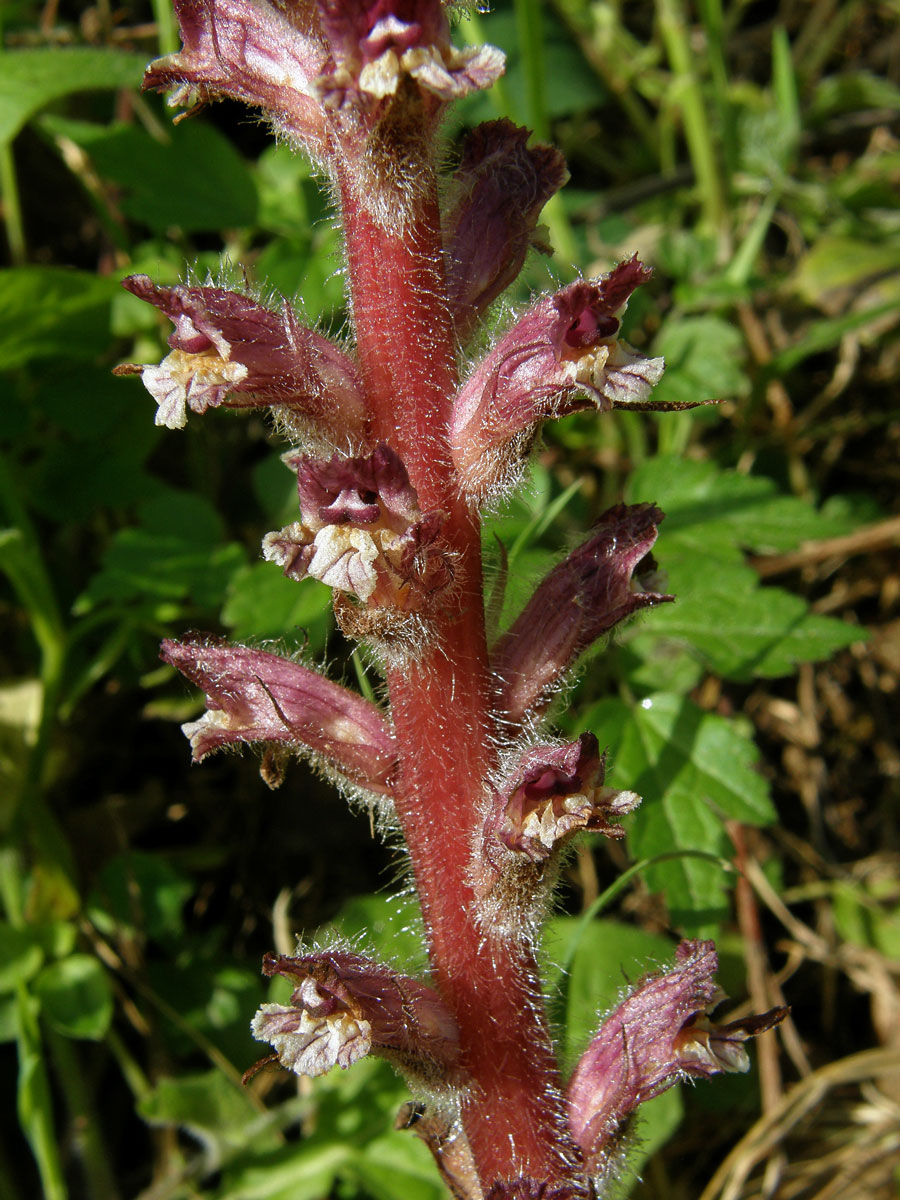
<point x="101" y="1183"/>
<point x="513" y="1114"/>
<point x="690" y="99"/>
<point x="12" y="208"/>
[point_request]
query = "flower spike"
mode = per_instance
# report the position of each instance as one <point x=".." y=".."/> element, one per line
<point x="589" y="592"/>
<point x="565" y="354"/>
<point x="259" y="697"/>
<point x="657" y="1036"/>
<point x="227" y="350"/>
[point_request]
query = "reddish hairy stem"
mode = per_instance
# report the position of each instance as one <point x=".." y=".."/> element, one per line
<point x="514" y="1117"/>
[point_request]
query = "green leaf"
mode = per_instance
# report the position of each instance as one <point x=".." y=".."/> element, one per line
<point x="194" y="180"/>
<point x="261" y="602"/>
<point x="721" y="613"/>
<point x="176" y="555"/>
<point x="717" y="512"/>
<point x="31" y="79"/>
<point x="34" y="1100"/>
<point x="851" y="91"/>
<point x="704" y="357"/>
<point x="694" y="770"/>
<point x="834" y="263"/>
<point x="139" y="894"/>
<point x="304" y="1172"/>
<point x="210" y="1107"/>
<point x="21" y="956"/>
<point x="735" y="627"/>
<point x="387" y="927"/>
<point x="76" y="997"/>
<point x="396" y="1167"/>
<point x="47" y="312"/>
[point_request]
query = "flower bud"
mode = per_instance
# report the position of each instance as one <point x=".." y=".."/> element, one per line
<point x="497" y="194"/>
<point x="565" y="354"/>
<point x="345" y="1006"/>
<point x="229" y="350"/>
<point x="553" y="793"/>
<point x="362" y="532"/>
<point x="261" y="53"/>
<point x="259" y="697"/>
<point x="589" y="592"/>
<point x="657" y="1036"/>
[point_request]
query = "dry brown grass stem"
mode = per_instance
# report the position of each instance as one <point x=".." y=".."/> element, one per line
<point x="772" y="1129"/>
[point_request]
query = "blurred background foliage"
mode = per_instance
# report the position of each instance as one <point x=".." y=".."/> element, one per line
<point x="748" y="149"/>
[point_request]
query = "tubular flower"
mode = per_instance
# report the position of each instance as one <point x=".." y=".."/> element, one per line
<point x="595" y="588"/>
<point x="345" y="1006"/>
<point x="497" y="194"/>
<point x="554" y="792"/>
<point x="374" y="44"/>
<point x="563" y="355"/>
<point x="263" y="53"/>
<point x="259" y="697"/>
<point x="362" y="532"/>
<point x="228" y="350"/>
<point x="657" y="1036"/>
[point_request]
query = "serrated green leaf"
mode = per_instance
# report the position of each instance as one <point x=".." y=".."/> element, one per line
<point x="737" y="628"/>
<point x="47" y="312"/>
<point x="31" y="79"/>
<point x="717" y="512"/>
<point x="76" y="997"/>
<point x="721" y="613"/>
<point x="694" y="770"/>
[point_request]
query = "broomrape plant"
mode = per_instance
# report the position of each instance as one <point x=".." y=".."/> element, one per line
<point x="400" y="442"/>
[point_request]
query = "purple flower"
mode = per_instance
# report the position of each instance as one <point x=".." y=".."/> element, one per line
<point x="553" y="793"/>
<point x="497" y="193"/>
<point x="588" y="593"/>
<point x="362" y="532"/>
<point x="345" y="1006"/>
<point x="376" y="44"/>
<point x="229" y="350"/>
<point x="263" y="53"/>
<point x="563" y="355"/>
<point x="658" y="1035"/>
<point x="258" y="697"/>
